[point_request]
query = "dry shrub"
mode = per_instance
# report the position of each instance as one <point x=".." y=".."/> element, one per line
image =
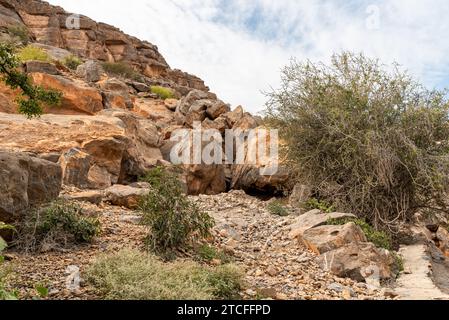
<point x="369" y="139"/>
<point x="131" y="275"/>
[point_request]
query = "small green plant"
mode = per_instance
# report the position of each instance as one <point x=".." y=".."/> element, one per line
<point x="121" y="69"/>
<point x="42" y="290"/>
<point x="208" y="253"/>
<point x="61" y="223"/>
<point x="380" y="238"/>
<point x="277" y="208"/>
<point x="72" y="62"/>
<point x="20" y="32"/>
<point x="4" y="272"/>
<point x="162" y="93"/>
<point x="32" y="96"/>
<point x="173" y="220"/>
<point x="320" y="205"/>
<point x="132" y="275"/>
<point x="31" y="52"/>
<point x="399" y="263"/>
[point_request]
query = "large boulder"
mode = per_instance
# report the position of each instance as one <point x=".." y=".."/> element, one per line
<point x="125" y="196"/>
<point x="41" y="67"/>
<point x="96" y="151"/>
<point x="312" y="219"/>
<point x="90" y="71"/>
<point x="186" y="103"/>
<point x="78" y="97"/>
<point x="327" y="238"/>
<point x="359" y="261"/>
<point x="26" y="181"/>
<point x="155" y="110"/>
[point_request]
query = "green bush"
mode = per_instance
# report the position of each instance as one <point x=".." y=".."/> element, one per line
<point x="320" y="205"/>
<point x="58" y="224"/>
<point x="131" y="275"/>
<point x="31" y="52"/>
<point x="31" y="96"/>
<point x="20" y="32"/>
<point x="369" y="139"/>
<point x="277" y="208"/>
<point x="174" y="221"/>
<point x="163" y="93"/>
<point x="72" y="62"/>
<point x="379" y="238"/>
<point x="121" y="69"/>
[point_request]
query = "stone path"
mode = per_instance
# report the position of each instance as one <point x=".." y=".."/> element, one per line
<point x="416" y="282"/>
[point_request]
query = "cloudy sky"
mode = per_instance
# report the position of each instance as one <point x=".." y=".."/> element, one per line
<point x="239" y="46"/>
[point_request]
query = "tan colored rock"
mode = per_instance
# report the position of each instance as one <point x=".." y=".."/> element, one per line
<point x="217" y="109"/>
<point x="91" y="196"/>
<point x="75" y="166"/>
<point x="442" y="237"/>
<point x="247" y="122"/>
<point x="124" y="196"/>
<point x="327" y="238"/>
<point x="7" y="99"/>
<point x="90" y="71"/>
<point x="313" y="219"/>
<point x="155" y="110"/>
<point x="205" y="179"/>
<point x="300" y="195"/>
<point x="41" y="67"/>
<point x="26" y="181"/>
<point x="78" y="97"/>
<point x="359" y="261"/>
<point x="171" y="104"/>
<point x="234" y="116"/>
<point x="185" y="104"/>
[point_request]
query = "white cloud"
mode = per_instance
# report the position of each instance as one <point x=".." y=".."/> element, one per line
<point x="239" y="46"/>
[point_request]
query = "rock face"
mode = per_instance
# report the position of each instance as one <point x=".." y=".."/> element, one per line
<point x="78" y="97"/>
<point x="96" y="152"/>
<point x="52" y="26"/>
<point x="25" y="181"/>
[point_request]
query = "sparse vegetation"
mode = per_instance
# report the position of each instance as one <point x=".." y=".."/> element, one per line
<point x="20" y="32"/>
<point x="121" y="69"/>
<point x="131" y="275"/>
<point x="320" y="205"/>
<point x="163" y="93"/>
<point x="32" y="96"/>
<point x="379" y="238"/>
<point x="277" y="208"/>
<point x="370" y="140"/>
<point x="57" y="225"/>
<point x="4" y="271"/>
<point x="31" y="52"/>
<point x="208" y="253"/>
<point x="72" y="62"/>
<point x="173" y="220"/>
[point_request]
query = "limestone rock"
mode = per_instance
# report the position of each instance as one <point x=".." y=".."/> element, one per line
<point x="217" y="109"/>
<point x="327" y="238"/>
<point x="442" y="237"/>
<point x="92" y="196"/>
<point x="313" y="219"/>
<point x="91" y="71"/>
<point x="41" y="67"/>
<point x="359" y="261"/>
<point x="195" y="95"/>
<point x="300" y="195"/>
<point x="25" y="181"/>
<point x="78" y="97"/>
<point x="124" y="196"/>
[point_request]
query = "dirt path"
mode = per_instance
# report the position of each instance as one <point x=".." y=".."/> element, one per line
<point x="416" y="282"/>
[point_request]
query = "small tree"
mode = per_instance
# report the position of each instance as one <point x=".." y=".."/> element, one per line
<point x="370" y="140"/>
<point x="174" y="220"/>
<point x="32" y="96"/>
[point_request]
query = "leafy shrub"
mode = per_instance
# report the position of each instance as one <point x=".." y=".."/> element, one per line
<point x="31" y="52"/>
<point x="61" y="223"/>
<point x="368" y="140"/>
<point x="121" y="69"/>
<point x="163" y="93"/>
<point x="20" y="32"/>
<point x="72" y="62"/>
<point x="277" y="208"/>
<point x="174" y="221"/>
<point x="32" y="96"/>
<point x="379" y="238"/>
<point x="320" y="205"/>
<point x="131" y="275"/>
